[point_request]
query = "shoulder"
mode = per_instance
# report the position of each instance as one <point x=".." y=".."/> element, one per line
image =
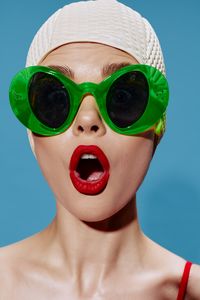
<point x="16" y="265"/>
<point x="14" y="259"/>
<point x="193" y="289"/>
<point x="169" y="267"/>
<point x="7" y="272"/>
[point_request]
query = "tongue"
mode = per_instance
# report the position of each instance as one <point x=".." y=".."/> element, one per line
<point x="96" y="175"/>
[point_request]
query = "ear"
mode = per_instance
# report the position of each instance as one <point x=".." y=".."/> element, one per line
<point x="31" y="141"/>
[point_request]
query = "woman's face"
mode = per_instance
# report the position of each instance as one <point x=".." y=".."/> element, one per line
<point x="128" y="156"/>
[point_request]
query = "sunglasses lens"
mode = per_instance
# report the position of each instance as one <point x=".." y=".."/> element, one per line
<point x="127" y="98"/>
<point x="49" y="99"/>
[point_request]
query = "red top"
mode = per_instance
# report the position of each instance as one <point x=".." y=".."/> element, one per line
<point x="184" y="281"/>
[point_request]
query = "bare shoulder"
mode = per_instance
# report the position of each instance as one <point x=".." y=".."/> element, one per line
<point x="11" y="254"/>
<point x="14" y="260"/>
<point x="7" y="271"/>
<point x="172" y="267"/>
<point x="25" y="272"/>
<point x="193" y="289"/>
<point x="169" y="266"/>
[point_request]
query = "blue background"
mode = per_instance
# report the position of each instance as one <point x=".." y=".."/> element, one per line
<point x="169" y="199"/>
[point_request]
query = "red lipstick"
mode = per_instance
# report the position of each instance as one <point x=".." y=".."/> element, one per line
<point x="89" y="170"/>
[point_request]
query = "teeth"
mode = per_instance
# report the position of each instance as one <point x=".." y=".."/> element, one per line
<point x="88" y="156"/>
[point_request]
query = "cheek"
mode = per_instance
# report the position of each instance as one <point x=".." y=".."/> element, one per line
<point x="136" y="159"/>
<point x="49" y="153"/>
<point x="131" y="168"/>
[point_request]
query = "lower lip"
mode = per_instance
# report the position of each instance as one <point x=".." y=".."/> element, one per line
<point x="89" y="188"/>
<point x="86" y="187"/>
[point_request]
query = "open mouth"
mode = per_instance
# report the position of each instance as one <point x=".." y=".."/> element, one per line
<point x="89" y="170"/>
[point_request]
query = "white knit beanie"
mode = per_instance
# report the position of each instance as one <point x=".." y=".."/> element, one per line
<point x="103" y="21"/>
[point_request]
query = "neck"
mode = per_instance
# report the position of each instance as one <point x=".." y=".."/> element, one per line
<point x="96" y="248"/>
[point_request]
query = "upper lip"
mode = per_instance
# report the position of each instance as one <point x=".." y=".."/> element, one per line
<point x="89" y="149"/>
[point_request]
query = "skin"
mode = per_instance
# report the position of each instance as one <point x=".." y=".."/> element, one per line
<point x="94" y="247"/>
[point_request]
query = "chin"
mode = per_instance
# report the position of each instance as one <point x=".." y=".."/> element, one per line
<point x="95" y="216"/>
<point x="95" y="208"/>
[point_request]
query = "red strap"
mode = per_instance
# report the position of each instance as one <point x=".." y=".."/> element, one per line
<point x="184" y="281"/>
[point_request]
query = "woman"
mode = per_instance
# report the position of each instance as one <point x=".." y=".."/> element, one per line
<point x="93" y="97"/>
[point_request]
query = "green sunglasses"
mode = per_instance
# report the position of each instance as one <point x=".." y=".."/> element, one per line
<point x="131" y="100"/>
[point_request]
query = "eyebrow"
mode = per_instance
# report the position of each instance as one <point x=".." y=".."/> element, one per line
<point x="65" y="70"/>
<point x="111" y="68"/>
<point x="107" y="69"/>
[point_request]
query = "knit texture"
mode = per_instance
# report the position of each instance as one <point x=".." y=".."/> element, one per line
<point x="103" y="21"/>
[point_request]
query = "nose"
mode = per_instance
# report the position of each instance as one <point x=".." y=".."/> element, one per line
<point x="88" y="120"/>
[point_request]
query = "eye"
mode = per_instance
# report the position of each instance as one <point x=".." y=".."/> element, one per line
<point x="121" y="97"/>
<point x="49" y="99"/>
<point x="127" y="99"/>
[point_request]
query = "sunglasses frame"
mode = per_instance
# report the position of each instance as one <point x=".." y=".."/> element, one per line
<point x="154" y="112"/>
